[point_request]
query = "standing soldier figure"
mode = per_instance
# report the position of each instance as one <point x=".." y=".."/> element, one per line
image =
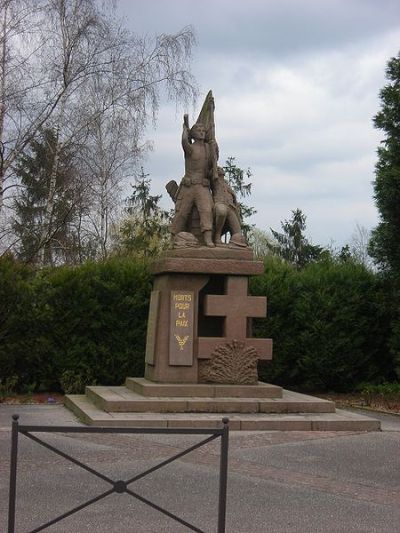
<point x="194" y="189"/>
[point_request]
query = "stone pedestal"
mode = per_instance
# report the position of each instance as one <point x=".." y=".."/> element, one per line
<point x="199" y="327"/>
<point x="201" y="359"/>
<point x="172" y="331"/>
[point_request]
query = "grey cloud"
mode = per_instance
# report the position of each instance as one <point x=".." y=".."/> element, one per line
<point x="265" y="27"/>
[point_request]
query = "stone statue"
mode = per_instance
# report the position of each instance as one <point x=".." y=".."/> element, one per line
<point x="200" y="151"/>
<point x="226" y="211"/>
<point x="201" y="218"/>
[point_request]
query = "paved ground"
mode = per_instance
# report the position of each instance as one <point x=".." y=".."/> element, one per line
<point x="280" y="482"/>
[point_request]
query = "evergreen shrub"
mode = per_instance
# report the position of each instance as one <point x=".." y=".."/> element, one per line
<point x="16" y="321"/>
<point x="82" y="325"/>
<point x="66" y="327"/>
<point x="329" y="322"/>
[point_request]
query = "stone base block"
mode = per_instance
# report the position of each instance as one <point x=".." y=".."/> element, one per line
<point x="147" y="388"/>
<point x="212" y="266"/>
<point x="223" y="251"/>
<point x="338" y="421"/>
<point x="122" y="399"/>
<point x="261" y="407"/>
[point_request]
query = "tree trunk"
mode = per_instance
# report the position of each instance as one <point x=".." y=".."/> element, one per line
<point x="47" y="227"/>
<point x="2" y="101"/>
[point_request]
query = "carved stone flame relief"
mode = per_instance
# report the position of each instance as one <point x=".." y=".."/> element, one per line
<point x="230" y="363"/>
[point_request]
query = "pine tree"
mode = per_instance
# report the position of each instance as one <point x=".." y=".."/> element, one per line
<point x="384" y="245"/>
<point x="385" y="241"/>
<point x="34" y="169"/>
<point x="145" y="231"/>
<point x="292" y="245"/>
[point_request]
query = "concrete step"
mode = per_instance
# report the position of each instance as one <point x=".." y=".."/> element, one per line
<point x="338" y="421"/>
<point x="202" y="390"/>
<point x="122" y="399"/>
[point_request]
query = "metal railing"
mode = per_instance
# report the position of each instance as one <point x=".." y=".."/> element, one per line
<point x="119" y="486"/>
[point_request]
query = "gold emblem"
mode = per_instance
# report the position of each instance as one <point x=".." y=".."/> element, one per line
<point x="181" y="341"/>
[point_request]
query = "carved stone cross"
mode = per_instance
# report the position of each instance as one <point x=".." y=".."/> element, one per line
<point x="236" y="306"/>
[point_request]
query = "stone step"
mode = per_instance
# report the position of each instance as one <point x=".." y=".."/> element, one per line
<point x="202" y="390"/>
<point x="122" y="399"/>
<point x="338" y="421"/>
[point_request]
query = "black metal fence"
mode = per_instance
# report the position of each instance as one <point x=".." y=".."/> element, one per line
<point x="119" y="486"/>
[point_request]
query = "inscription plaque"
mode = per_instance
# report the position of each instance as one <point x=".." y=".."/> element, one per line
<point x="181" y="328"/>
<point x="152" y="327"/>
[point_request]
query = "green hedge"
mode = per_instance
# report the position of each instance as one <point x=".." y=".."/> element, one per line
<point x="66" y="327"/>
<point x="330" y="323"/>
<point x="74" y="326"/>
<point x="17" y="325"/>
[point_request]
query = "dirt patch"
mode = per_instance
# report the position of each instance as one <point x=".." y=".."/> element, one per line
<point x="48" y="398"/>
<point x="376" y="402"/>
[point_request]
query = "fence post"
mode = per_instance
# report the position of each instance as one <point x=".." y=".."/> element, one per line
<point x="13" y="474"/>
<point x="223" y="475"/>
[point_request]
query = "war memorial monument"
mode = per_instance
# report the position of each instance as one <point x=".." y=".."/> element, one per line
<point x="201" y="358"/>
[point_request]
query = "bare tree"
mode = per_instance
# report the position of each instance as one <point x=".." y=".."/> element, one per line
<point x="81" y="38"/>
<point x="359" y="245"/>
<point x="119" y="104"/>
<point x="261" y="242"/>
<point x="96" y="86"/>
<point x="20" y="112"/>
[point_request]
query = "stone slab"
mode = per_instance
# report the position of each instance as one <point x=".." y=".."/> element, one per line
<point x="261" y="390"/>
<point x="189" y="265"/>
<point x="122" y="399"/>
<point x="219" y="252"/>
<point x="282" y="423"/>
<point x="343" y="420"/>
<point x="202" y="423"/>
<point x="222" y="405"/>
<point x="339" y="421"/>
<point x="150" y="388"/>
<point x="294" y="402"/>
<point x="106" y="399"/>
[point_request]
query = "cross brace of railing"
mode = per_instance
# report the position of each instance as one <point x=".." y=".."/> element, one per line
<point x="119" y="486"/>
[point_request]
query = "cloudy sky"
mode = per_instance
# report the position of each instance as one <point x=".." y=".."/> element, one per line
<point x="296" y="85"/>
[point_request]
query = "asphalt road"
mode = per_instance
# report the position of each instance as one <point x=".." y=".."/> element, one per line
<point x="280" y="482"/>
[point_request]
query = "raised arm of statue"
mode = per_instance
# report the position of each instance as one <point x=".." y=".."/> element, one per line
<point x="186" y="145"/>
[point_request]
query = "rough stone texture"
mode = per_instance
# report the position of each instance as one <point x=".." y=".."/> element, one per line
<point x="208" y="344"/>
<point x="232" y="362"/>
